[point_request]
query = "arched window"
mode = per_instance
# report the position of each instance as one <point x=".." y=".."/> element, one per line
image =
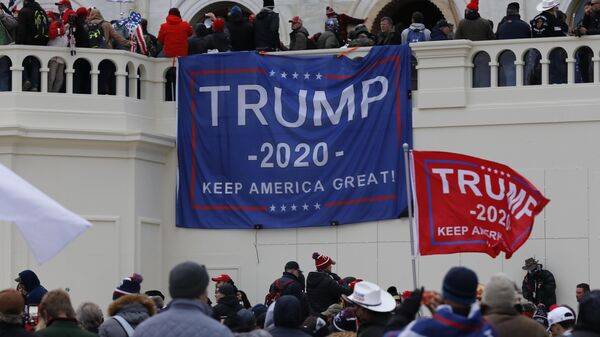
<point x="107" y="80"/>
<point x="584" y="67"/>
<point x="5" y="74"/>
<point x="82" y="79"/>
<point x="481" y="70"/>
<point x="31" y="74"/>
<point x="558" y="66"/>
<point x="507" y="72"/>
<point x="532" y="72"/>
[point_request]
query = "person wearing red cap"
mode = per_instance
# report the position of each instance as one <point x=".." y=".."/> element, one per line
<point x="299" y="35"/>
<point x="241" y="295"/>
<point x="473" y="27"/>
<point x="174" y="33"/>
<point x="219" y="40"/>
<point x="65" y="9"/>
<point x="323" y="287"/>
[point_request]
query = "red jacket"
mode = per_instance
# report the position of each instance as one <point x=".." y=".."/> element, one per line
<point x="66" y="14"/>
<point x="174" y="34"/>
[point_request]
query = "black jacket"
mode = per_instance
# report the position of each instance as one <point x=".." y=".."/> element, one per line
<point x="322" y="290"/>
<point x="266" y="30"/>
<point x="82" y="37"/>
<point x="226" y="307"/>
<point x="26" y="30"/>
<point x="241" y="33"/>
<point x="374" y="328"/>
<point x="391" y="38"/>
<point x="14" y="330"/>
<point x="512" y="27"/>
<point x="540" y="287"/>
<point x="438" y="35"/>
<point x="219" y="41"/>
<point x="592" y="23"/>
<point x="287" y="318"/>
<point x="34" y="289"/>
<point x="546" y="24"/>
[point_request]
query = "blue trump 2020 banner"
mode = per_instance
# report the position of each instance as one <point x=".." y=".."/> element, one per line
<point x="292" y="141"/>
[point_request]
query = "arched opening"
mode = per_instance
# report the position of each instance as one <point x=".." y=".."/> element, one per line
<point x="401" y="12"/>
<point x="507" y="71"/>
<point x="107" y="80"/>
<point x="220" y="9"/>
<point x="56" y="75"/>
<point x="584" y="67"/>
<point x="5" y="74"/>
<point x="170" y="82"/>
<point x="575" y="12"/>
<point x="532" y="71"/>
<point x="31" y="74"/>
<point x="558" y="66"/>
<point x="141" y="72"/>
<point x="481" y="70"/>
<point x="82" y="78"/>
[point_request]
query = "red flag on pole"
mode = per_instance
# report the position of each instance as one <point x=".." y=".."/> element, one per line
<point x="468" y="204"/>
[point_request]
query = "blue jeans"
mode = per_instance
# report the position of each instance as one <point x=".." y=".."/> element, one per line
<point x="5" y="74"/>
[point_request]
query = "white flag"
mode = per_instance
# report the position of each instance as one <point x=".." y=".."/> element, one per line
<point x="45" y="224"/>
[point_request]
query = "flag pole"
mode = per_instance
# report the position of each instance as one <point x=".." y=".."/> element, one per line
<point x="413" y="256"/>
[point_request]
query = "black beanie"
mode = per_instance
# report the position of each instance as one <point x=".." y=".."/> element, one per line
<point x="188" y="280"/>
<point x="268" y="3"/>
<point x="460" y="286"/>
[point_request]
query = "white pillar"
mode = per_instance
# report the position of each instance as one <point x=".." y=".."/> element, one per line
<point x="494" y="74"/>
<point x="545" y="71"/>
<point x="596" y="61"/>
<point x="121" y="78"/>
<point x="571" y="64"/>
<point x="69" y="78"/>
<point x="519" y="65"/>
<point x="17" y="80"/>
<point x="44" y="79"/>
<point x="94" y="86"/>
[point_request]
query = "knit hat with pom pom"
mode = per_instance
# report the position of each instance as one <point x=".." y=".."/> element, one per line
<point x="322" y="261"/>
<point x="129" y="285"/>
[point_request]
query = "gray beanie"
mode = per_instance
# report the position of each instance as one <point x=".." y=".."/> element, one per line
<point x="500" y="292"/>
<point x="188" y="280"/>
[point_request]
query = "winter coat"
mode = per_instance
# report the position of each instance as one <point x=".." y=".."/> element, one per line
<point x="512" y="27"/>
<point x="540" y="287"/>
<point x="390" y="38"/>
<point x="266" y="30"/>
<point x="509" y="323"/>
<point x="219" y="41"/>
<point x="292" y="286"/>
<point x="14" y="330"/>
<point x="32" y="285"/>
<point x="109" y="31"/>
<point x="448" y="324"/>
<point x="64" y="328"/>
<point x="328" y="40"/>
<point x="361" y="42"/>
<point x="583" y="333"/>
<point x="475" y="28"/>
<point x="438" y="35"/>
<point x="344" y="21"/>
<point x="375" y="328"/>
<point x="26" y="25"/>
<point x="416" y="26"/>
<point x="184" y="318"/>
<point x="197" y="45"/>
<point x="241" y="33"/>
<point x="322" y="291"/>
<point x="173" y="35"/>
<point x="133" y="308"/>
<point x="546" y="24"/>
<point x="299" y="39"/>
<point x="9" y="32"/>
<point x="226" y="307"/>
<point x="592" y="23"/>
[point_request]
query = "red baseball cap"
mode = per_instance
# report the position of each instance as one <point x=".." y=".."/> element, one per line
<point x="222" y="278"/>
<point x="63" y="2"/>
<point x="296" y="19"/>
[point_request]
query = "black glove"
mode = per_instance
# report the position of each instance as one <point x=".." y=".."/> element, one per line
<point x="410" y="306"/>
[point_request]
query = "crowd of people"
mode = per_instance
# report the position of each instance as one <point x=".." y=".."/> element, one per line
<point x="87" y="28"/>
<point x="322" y="304"/>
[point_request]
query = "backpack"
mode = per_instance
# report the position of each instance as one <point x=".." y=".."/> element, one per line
<point x="276" y="290"/>
<point x="415" y="35"/>
<point x="40" y="26"/>
<point x="96" y="35"/>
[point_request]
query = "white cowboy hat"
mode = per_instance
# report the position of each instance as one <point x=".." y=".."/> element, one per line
<point x="370" y="296"/>
<point x="546" y="5"/>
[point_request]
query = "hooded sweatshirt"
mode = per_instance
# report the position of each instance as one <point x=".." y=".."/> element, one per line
<point x="32" y="285"/>
<point x="173" y="34"/>
<point x="416" y="27"/>
<point x="110" y="33"/>
<point x="287" y="318"/>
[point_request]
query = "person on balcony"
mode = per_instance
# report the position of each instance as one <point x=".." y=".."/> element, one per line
<point x="441" y="31"/>
<point x="591" y="23"/>
<point x="108" y="32"/>
<point x="416" y="32"/>
<point x="57" y="38"/>
<point x="546" y="23"/>
<point x="240" y="30"/>
<point x="344" y="21"/>
<point x="219" y="39"/>
<point x="8" y="30"/>
<point x="65" y="9"/>
<point x="174" y="34"/>
<point x="328" y="38"/>
<point x="198" y="44"/>
<point x="473" y="27"/>
<point x="266" y="28"/>
<point x="388" y="34"/>
<point x="299" y="35"/>
<point x="511" y="26"/>
<point x="32" y="30"/>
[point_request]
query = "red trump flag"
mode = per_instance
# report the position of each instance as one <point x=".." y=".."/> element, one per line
<point x="468" y="204"/>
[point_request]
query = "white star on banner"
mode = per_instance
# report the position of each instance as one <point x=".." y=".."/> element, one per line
<point x="319" y="76"/>
<point x="272" y="73"/>
<point x="295" y="75"/>
<point x="284" y="75"/>
<point x="294" y="207"/>
<point x="305" y="207"/>
<point x="283" y="208"/>
<point x="306" y="76"/>
<point x="317" y="206"/>
<point x="272" y="208"/>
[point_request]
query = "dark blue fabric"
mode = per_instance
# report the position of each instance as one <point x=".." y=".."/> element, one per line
<point x="32" y="285"/>
<point x="363" y="178"/>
